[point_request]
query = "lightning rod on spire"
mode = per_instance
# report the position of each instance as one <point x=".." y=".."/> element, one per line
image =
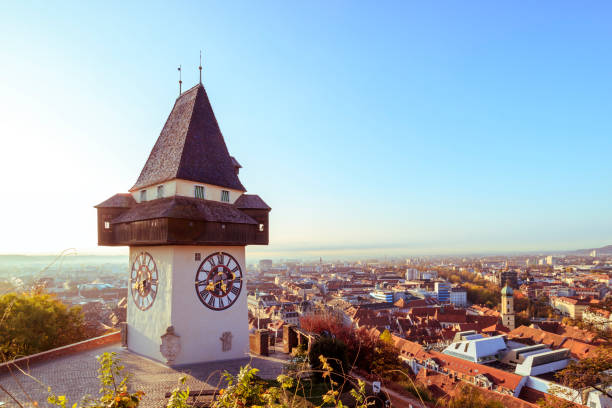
<point x="180" y="81"/>
<point x="200" y="67"/>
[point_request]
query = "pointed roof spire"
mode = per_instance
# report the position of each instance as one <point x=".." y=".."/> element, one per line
<point x="200" y="67"/>
<point x="190" y="147"/>
<point x="180" y="81"/>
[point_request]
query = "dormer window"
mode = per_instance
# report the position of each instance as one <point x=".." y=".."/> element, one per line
<point x="160" y="191"/>
<point x="225" y="196"/>
<point x="143" y="195"/>
<point x="198" y="192"/>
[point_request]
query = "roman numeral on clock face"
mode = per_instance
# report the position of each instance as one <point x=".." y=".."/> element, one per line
<point x="218" y="281"/>
<point x="144" y="281"/>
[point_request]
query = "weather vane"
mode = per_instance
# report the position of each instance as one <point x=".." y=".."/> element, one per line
<point x="180" y="81"/>
<point x="200" y="67"/>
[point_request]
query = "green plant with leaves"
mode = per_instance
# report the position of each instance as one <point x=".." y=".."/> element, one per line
<point x="298" y="363"/>
<point x="31" y="323"/>
<point x="179" y="395"/>
<point x="113" y="387"/>
<point x="333" y="350"/>
<point x="332" y="397"/>
<point x="242" y="389"/>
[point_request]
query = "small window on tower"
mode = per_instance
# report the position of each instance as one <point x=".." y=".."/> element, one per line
<point x="198" y="256"/>
<point x="106" y="225"/>
<point x="225" y="196"/>
<point x="143" y="195"/>
<point x="261" y="227"/>
<point x="199" y="191"/>
<point x="160" y="191"/>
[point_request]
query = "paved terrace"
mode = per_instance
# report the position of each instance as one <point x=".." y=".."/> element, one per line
<point x="75" y="375"/>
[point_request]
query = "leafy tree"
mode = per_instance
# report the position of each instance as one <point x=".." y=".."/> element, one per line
<point x="470" y="397"/>
<point x="334" y="351"/>
<point x="386" y="337"/>
<point x="589" y="372"/>
<point x="385" y="357"/>
<point x="553" y="399"/>
<point x="32" y="323"/>
<point x="364" y="350"/>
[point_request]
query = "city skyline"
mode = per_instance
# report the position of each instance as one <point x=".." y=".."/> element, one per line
<point x="473" y="129"/>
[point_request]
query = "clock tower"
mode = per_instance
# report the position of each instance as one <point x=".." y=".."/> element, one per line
<point x="187" y="221"/>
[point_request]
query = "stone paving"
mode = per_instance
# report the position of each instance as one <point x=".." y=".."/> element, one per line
<point x="76" y="375"/>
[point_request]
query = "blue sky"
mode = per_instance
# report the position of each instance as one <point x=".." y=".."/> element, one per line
<point x="370" y="127"/>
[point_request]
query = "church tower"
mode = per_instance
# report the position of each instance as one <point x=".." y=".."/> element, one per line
<point x="187" y="221"/>
<point x="507" y="307"/>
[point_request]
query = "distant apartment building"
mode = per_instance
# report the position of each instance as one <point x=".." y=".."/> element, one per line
<point x="510" y="276"/>
<point x="384" y="295"/>
<point x="429" y="275"/>
<point x="261" y="300"/>
<point x="458" y="296"/>
<point x="303" y="289"/>
<point x="412" y="274"/>
<point x="288" y="316"/>
<point x="569" y="306"/>
<point x="549" y="260"/>
<point x="265" y="265"/>
<point x="443" y="291"/>
<point x="585" y="292"/>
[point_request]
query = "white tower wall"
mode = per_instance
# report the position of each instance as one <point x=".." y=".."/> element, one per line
<point x="178" y="305"/>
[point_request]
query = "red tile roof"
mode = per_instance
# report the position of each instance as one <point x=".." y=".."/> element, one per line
<point x="537" y="336"/>
<point x="443" y="386"/>
<point x="498" y="377"/>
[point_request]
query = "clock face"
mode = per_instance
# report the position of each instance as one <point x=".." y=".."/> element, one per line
<point x="218" y="281"/>
<point x="144" y="281"/>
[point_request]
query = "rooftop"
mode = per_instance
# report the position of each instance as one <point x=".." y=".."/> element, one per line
<point x="191" y="147"/>
<point x="185" y="208"/>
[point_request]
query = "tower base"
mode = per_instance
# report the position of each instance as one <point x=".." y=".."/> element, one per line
<point x="177" y="328"/>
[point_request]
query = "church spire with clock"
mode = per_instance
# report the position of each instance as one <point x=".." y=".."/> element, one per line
<point x="187" y="221"/>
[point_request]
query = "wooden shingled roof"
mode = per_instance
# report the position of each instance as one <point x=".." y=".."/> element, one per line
<point x="190" y="147"/>
<point x="121" y="200"/>
<point x="251" y="202"/>
<point x="185" y="208"/>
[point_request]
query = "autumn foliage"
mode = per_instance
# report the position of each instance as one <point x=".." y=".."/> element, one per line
<point x="364" y="349"/>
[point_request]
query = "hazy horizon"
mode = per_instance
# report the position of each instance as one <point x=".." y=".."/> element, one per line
<point x="335" y="253"/>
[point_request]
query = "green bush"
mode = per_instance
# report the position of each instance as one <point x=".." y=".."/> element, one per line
<point x="31" y="323"/>
<point x="334" y="351"/>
